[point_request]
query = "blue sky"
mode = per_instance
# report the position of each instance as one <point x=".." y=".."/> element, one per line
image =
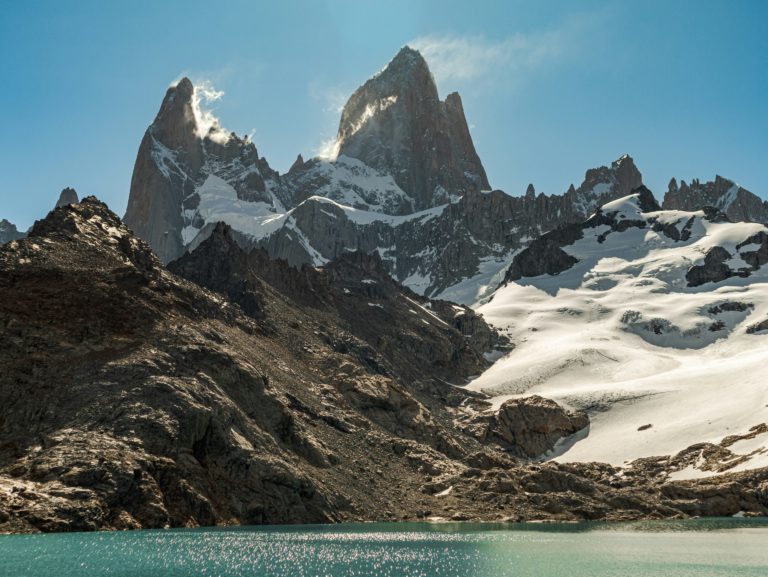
<point x="549" y="88"/>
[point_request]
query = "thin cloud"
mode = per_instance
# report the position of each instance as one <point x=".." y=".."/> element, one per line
<point x="332" y="100"/>
<point x="328" y="149"/>
<point x="460" y="59"/>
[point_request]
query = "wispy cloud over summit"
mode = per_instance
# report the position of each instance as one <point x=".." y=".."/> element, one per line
<point x="458" y="59"/>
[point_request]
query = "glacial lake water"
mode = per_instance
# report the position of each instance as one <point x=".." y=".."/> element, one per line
<point x="701" y="548"/>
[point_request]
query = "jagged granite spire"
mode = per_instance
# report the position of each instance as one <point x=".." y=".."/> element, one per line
<point x="297" y="164"/>
<point x="530" y="193"/>
<point x="396" y="122"/>
<point x="180" y="150"/>
<point x="67" y="196"/>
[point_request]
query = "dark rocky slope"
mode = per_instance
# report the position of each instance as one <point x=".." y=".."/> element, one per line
<point x="130" y="397"/>
<point x="393" y="329"/>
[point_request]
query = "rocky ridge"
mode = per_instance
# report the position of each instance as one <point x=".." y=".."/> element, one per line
<point x="545" y="255"/>
<point x="548" y="254"/>
<point x="8" y="230"/>
<point x="387" y="325"/>
<point x="736" y="202"/>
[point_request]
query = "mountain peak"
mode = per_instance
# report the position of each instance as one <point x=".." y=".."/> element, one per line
<point x="396" y="123"/>
<point x="408" y="52"/>
<point x="297" y="164"/>
<point x="184" y="85"/>
<point x="623" y="159"/>
<point x="67" y="196"/>
<point x="405" y="60"/>
<point x="626" y="172"/>
<point x="175" y="124"/>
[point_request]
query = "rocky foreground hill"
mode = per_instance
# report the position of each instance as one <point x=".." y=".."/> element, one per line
<point x="132" y="397"/>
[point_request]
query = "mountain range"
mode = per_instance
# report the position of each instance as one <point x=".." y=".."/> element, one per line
<point x="380" y="335"/>
<point x="404" y="180"/>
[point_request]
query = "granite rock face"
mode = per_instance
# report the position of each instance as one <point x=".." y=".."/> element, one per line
<point x="397" y="123"/>
<point x="736" y="202"/>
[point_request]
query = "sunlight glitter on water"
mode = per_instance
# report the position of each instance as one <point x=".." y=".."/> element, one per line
<point x="711" y="548"/>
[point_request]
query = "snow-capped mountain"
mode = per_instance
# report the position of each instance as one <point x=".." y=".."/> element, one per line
<point x="655" y="322"/>
<point x="189" y="167"/>
<point x="404" y="181"/>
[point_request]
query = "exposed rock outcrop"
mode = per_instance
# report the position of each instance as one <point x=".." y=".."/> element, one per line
<point x="716" y="266"/>
<point x="543" y="256"/>
<point x="530" y="427"/>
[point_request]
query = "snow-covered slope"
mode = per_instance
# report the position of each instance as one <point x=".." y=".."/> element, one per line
<point x="629" y="333"/>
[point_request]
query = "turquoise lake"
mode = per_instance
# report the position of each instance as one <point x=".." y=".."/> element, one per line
<point x="720" y="547"/>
